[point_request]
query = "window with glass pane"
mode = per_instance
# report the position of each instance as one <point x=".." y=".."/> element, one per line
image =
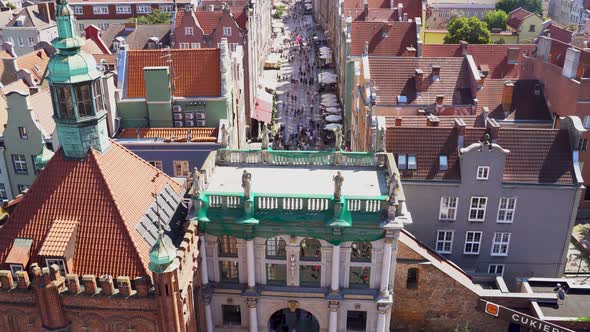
<point x="506" y="210"/>
<point x="83" y="100"/>
<point x="276" y="248"/>
<point x="310" y="250"/>
<point x="65" y="102"/>
<point x="310" y="275"/>
<point x="229" y="271"/>
<point x="97" y="95"/>
<point x="356" y="321"/>
<point x="359" y="276"/>
<point x="360" y="252"/>
<point x="276" y="274"/>
<point x="228" y="246"/>
<point x="59" y="262"/>
<point x="412" y="278"/>
<point x="231" y="314"/>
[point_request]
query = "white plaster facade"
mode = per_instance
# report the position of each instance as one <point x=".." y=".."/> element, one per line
<point x="568" y="12"/>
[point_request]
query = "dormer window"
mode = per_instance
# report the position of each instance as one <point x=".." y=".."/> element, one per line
<point x="443" y="162"/>
<point x="59" y="262"/>
<point x="402" y="161"/>
<point x="402" y="100"/>
<point x="412" y="161"/>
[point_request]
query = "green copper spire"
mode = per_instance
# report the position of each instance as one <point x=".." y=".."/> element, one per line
<point x="43" y="157"/>
<point x="76" y="90"/>
<point x="163" y="255"/>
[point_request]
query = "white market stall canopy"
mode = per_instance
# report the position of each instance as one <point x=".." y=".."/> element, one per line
<point x="327" y="78"/>
<point x="334" y="118"/>
<point x="334" y="110"/>
<point x="333" y="126"/>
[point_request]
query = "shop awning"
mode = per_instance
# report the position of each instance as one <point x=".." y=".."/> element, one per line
<point x="263" y="107"/>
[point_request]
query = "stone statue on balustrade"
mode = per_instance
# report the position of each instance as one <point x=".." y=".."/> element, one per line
<point x="196" y="182"/>
<point x="338" y="180"/>
<point x="224" y="136"/>
<point x="393" y="186"/>
<point x="265" y="139"/>
<point x="338" y="139"/>
<point x="247" y="184"/>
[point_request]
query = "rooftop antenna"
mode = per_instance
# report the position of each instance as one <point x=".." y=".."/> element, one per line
<point x="155" y="195"/>
<point x="168" y="55"/>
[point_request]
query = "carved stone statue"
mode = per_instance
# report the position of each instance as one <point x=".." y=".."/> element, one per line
<point x="380" y="140"/>
<point x="247" y="183"/>
<point x="265" y="140"/>
<point x="393" y="185"/>
<point x="338" y="139"/>
<point x="224" y="136"/>
<point x="338" y="180"/>
<point x="196" y="182"/>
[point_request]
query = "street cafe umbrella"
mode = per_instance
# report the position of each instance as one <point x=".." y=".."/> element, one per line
<point x="332" y="126"/>
<point x="329" y="104"/>
<point x="333" y="110"/>
<point x="334" y="118"/>
<point x="328" y="96"/>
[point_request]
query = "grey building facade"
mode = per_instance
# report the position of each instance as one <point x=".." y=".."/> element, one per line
<point x="504" y="206"/>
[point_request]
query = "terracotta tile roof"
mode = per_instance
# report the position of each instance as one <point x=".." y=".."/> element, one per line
<point x="443" y="121"/>
<point x="32" y="18"/>
<point x="516" y="17"/>
<point x="197" y="134"/>
<point x="560" y="33"/>
<point x="536" y="155"/>
<point x="61" y="233"/>
<point x="110" y="59"/>
<point x="197" y="71"/>
<point x="179" y="15"/>
<point x="108" y="194"/>
<point x="208" y="20"/>
<point x="35" y="62"/>
<point x="526" y="104"/>
<point x="381" y="14"/>
<point x="385" y="38"/>
<point x="43" y="112"/>
<point x="136" y="37"/>
<point x="494" y="56"/>
<point x="91" y="47"/>
<point x="20" y="252"/>
<point x="394" y="76"/>
<point x="372" y="3"/>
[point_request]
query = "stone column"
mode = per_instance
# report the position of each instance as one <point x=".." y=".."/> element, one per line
<point x="335" y="269"/>
<point x="253" y="321"/>
<point x="333" y="325"/>
<point x="386" y="266"/>
<point x="203" y="252"/>
<point x="382" y="309"/>
<point x="208" y="315"/>
<point x="250" y="264"/>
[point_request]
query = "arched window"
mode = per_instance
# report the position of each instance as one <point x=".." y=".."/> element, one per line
<point x="412" y="279"/>
<point x="310" y="250"/>
<point x="360" y="252"/>
<point x="228" y="246"/>
<point x="276" y="248"/>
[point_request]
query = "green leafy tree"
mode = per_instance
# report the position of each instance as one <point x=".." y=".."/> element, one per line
<point x="533" y="6"/>
<point x="155" y="17"/>
<point x="501" y="40"/>
<point x="471" y="30"/>
<point x="496" y="19"/>
<point x="11" y="6"/>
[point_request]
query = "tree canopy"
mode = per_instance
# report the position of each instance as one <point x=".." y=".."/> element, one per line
<point x="471" y="30"/>
<point x="533" y="6"/>
<point x="155" y="17"/>
<point x="496" y="19"/>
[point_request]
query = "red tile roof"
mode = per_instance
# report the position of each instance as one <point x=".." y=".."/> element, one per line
<point x="394" y="76"/>
<point x="385" y="38"/>
<point x="525" y="104"/>
<point x="59" y="236"/>
<point x="197" y="134"/>
<point x="197" y="71"/>
<point x="372" y="3"/>
<point x="107" y="193"/>
<point x="492" y="55"/>
<point x="208" y="20"/>
<point x="516" y="17"/>
<point x="536" y="155"/>
<point x="560" y="33"/>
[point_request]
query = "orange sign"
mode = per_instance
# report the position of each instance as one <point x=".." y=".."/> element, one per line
<point x="492" y="309"/>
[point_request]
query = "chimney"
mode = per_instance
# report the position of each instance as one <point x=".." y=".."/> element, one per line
<point x="411" y="52"/>
<point x="366" y="9"/>
<point x="400" y="11"/>
<point x="464" y="46"/>
<point x="106" y="283"/>
<point x="432" y="121"/>
<point x="419" y="79"/>
<point x="440" y="99"/>
<point x="572" y="60"/>
<point x="124" y="286"/>
<point x="493" y="127"/>
<point x="474" y="107"/>
<point x="22" y="280"/>
<point x="507" y="97"/>
<point x="398" y="122"/>
<point x="211" y="8"/>
<point x="73" y="283"/>
<point x="543" y="50"/>
<point x="89" y="282"/>
<point x="6" y="280"/>
<point x="460" y="126"/>
<point x="435" y="72"/>
<point x="43" y="8"/>
<point x="485" y="112"/>
<point x="391" y="4"/>
<point x="512" y="55"/>
<point x="51" y="5"/>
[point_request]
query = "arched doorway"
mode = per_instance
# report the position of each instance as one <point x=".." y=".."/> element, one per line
<point x="286" y="320"/>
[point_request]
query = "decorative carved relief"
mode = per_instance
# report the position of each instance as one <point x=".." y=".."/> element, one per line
<point x="293" y="305"/>
<point x="292" y="268"/>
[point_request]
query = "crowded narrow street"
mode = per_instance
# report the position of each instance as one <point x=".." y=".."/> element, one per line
<point x="298" y="121"/>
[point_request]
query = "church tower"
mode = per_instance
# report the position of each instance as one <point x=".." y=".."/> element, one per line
<point x="76" y="90"/>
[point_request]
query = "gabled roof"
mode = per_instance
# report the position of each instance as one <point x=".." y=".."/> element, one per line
<point x="394" y="76"/>
<point x="36" y="62"/>
<point x="31" y="18"/>
<point x="107" y="194"/>
<point x="494" y="56"/>
<point x="197" y="71"/>
<point x="528" y="101"/>
<point x="385" y="38"/>
<point x="208" y="20"/>
<point x="536" y="155"/>
<point x="137" y="36"/>
<point x="560" y="33"/>
<point x="516" y="17"/>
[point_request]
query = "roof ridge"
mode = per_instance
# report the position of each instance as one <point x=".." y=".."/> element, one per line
<point x="94" y="162"/>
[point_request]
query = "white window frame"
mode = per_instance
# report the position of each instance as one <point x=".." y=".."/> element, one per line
<point x="21" y="41"/>
<point x="19" y="161"/>
<point x="166" y="8"/>
<point x="443" y="162"/>
<point x="144" y="9"/>
<point x="195" y="45"/>
<point x="448" y="203"/>
<point x="444" y="241"/>
<point x="472" y="242"/>
<point x="3" y="192"/>
<point x="14" y="268"/>
<point x="184" y="172"/>
<point x="412" y="162"/>
<point x="404" y="164"/>
<point x="227" y="31"/>
<point x="78" y="10"/>
<point x="123" y="9"/>
<point x="59" y="262"/>
<point x="100" y="10"/>
<point x="479" y="208"/>
<point x="508" y="212"/>
<point x="81" y="26"/>
<point x="500" y="244"/>
<point x="586" y="122"/>
<point x="31" y="42"/>
<point x="23" y="133"/>
<point x="493" y="269"/>
<point x="156" y="163"/>
<point x="103" y="26"/>
<point x="189" y="31"/>
<point x="233" y="46"/>
<point x="483" y="173"/>
<point x="183" y="45"/>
